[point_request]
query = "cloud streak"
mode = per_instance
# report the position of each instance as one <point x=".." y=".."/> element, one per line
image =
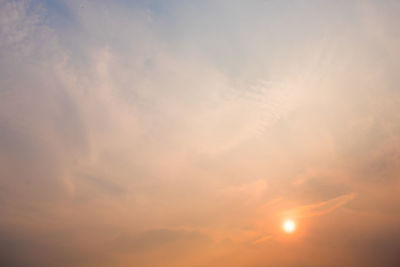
<point x="321" y="208"/>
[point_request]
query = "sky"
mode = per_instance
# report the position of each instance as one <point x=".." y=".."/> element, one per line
<point x="185" y="133"/>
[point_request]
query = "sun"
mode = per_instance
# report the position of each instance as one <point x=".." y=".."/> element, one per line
<point x="289" y="226"/>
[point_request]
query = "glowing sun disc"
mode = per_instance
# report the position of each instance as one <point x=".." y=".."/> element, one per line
<point x="289" y="226"/>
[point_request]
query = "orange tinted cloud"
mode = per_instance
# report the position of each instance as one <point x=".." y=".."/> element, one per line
<point x="320" y="208"/>
<point x="181" y="133"/>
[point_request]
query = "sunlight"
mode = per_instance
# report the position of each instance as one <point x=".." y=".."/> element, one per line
<point x="289" y="226"/>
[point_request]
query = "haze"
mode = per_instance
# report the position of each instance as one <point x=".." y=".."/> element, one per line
<point x="185" y="133"/>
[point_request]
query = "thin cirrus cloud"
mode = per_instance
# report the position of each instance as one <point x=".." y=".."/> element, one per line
<point x="176" y="133"/>
<point x="320" y="208"/>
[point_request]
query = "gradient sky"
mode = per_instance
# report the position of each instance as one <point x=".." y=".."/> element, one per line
<point x="183" y="133"/>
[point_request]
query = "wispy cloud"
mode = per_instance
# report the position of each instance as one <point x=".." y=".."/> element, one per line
<point x="320" y="208"/>
<point x="137" y="131"/>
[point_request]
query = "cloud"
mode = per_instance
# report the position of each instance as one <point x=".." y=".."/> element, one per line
<point x="263" y="239"/>
<point x="136" y="131"/>
<point x="320" y="208"/>
<point x="248" y="192"/>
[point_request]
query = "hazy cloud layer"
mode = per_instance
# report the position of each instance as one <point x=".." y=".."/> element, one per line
<point x="182" y="133"/>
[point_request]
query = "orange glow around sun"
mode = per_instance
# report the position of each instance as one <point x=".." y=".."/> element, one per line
<point x="289" y="226"/>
